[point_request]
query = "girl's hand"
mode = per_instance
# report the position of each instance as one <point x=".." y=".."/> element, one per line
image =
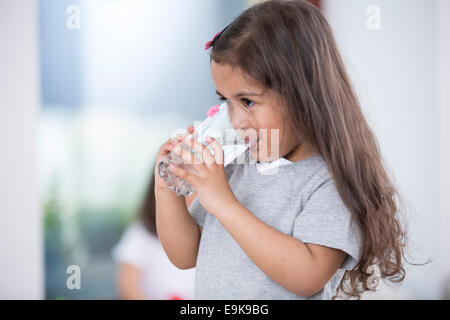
<point x="163" y="152"/>
<point x="209" y="180"/>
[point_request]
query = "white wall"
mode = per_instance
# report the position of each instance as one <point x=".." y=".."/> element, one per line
<point x="21" y="270"/>
<point x="394" y="70"/>
<point x="148" y="55"/>
<point x="443" y="86"/>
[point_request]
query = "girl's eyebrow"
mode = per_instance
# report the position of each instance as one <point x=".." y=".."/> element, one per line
<point x="241" y="94"/>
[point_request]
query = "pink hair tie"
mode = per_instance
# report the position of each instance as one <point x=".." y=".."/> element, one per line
<point x="212" y="111"/>
<point x="209" y="44"/>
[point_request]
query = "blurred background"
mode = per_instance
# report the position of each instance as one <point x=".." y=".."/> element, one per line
<point x="89" y="90"/>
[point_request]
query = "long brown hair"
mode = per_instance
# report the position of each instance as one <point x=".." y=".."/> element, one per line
<point x="147" y="211"/>
<point x="288" y="47"/>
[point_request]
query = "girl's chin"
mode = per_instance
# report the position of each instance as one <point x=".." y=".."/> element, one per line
<point x="259" y="153"/>
<point x="254" y="154"/>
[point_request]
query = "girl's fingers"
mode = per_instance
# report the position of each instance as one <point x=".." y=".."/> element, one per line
<point x="190" y="129"/>
<point x="167" y="146"/>
<point x="200" y="148"/>
<point x="182" y="136"/>
<point x="182" y="173"/>
<point x="178" y="138"/>
<point x="218" y="150"/>
<point x="187" y="156"/>
<point x="173" y="142"/>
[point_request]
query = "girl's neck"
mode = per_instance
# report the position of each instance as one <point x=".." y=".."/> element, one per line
<point x="302" y="151"/>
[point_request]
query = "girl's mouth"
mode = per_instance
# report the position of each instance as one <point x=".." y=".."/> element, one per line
<point x="253" y="144"/>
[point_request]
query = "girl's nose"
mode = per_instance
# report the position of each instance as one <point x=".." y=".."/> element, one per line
<point x="238" y="121"/>
<point x="243" y="122"/>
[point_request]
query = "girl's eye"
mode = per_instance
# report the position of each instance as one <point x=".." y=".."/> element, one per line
<point x="247" y="103"/>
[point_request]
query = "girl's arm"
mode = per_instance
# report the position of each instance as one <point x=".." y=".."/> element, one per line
<point x="177" y="230"/>
<point x="301" y="268"/>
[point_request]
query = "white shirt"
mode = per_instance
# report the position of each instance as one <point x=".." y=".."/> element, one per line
<point x="266" y="168"/>
<point x="161" y="280"/>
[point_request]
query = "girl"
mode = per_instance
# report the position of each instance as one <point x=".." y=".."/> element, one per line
<point x="326" y="222"/>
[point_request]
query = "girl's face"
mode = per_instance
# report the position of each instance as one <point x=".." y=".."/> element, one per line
<point x="261" y="113"/>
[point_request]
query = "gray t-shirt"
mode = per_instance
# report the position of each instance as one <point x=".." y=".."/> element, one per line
<point x="296" y="198"/>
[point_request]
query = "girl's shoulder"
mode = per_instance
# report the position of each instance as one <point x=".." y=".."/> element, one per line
<point x="314" y="172"/>
<point x="311" y="170"/>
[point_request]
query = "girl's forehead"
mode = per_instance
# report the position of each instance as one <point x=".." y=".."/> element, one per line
<point x="231" y="79"/>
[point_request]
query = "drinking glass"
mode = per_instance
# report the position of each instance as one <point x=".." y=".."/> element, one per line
<point x="224" y="123"/>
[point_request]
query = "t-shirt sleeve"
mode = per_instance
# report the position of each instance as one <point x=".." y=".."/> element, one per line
<point x="325" y="220"/>
<point x="196" y="209"/>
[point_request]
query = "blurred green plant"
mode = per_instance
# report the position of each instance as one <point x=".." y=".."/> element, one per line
<point x="52" y="220"/>
<point x="101" y="228"/>
<point x="94" y="232"/>
<point x="55" y="252"/>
